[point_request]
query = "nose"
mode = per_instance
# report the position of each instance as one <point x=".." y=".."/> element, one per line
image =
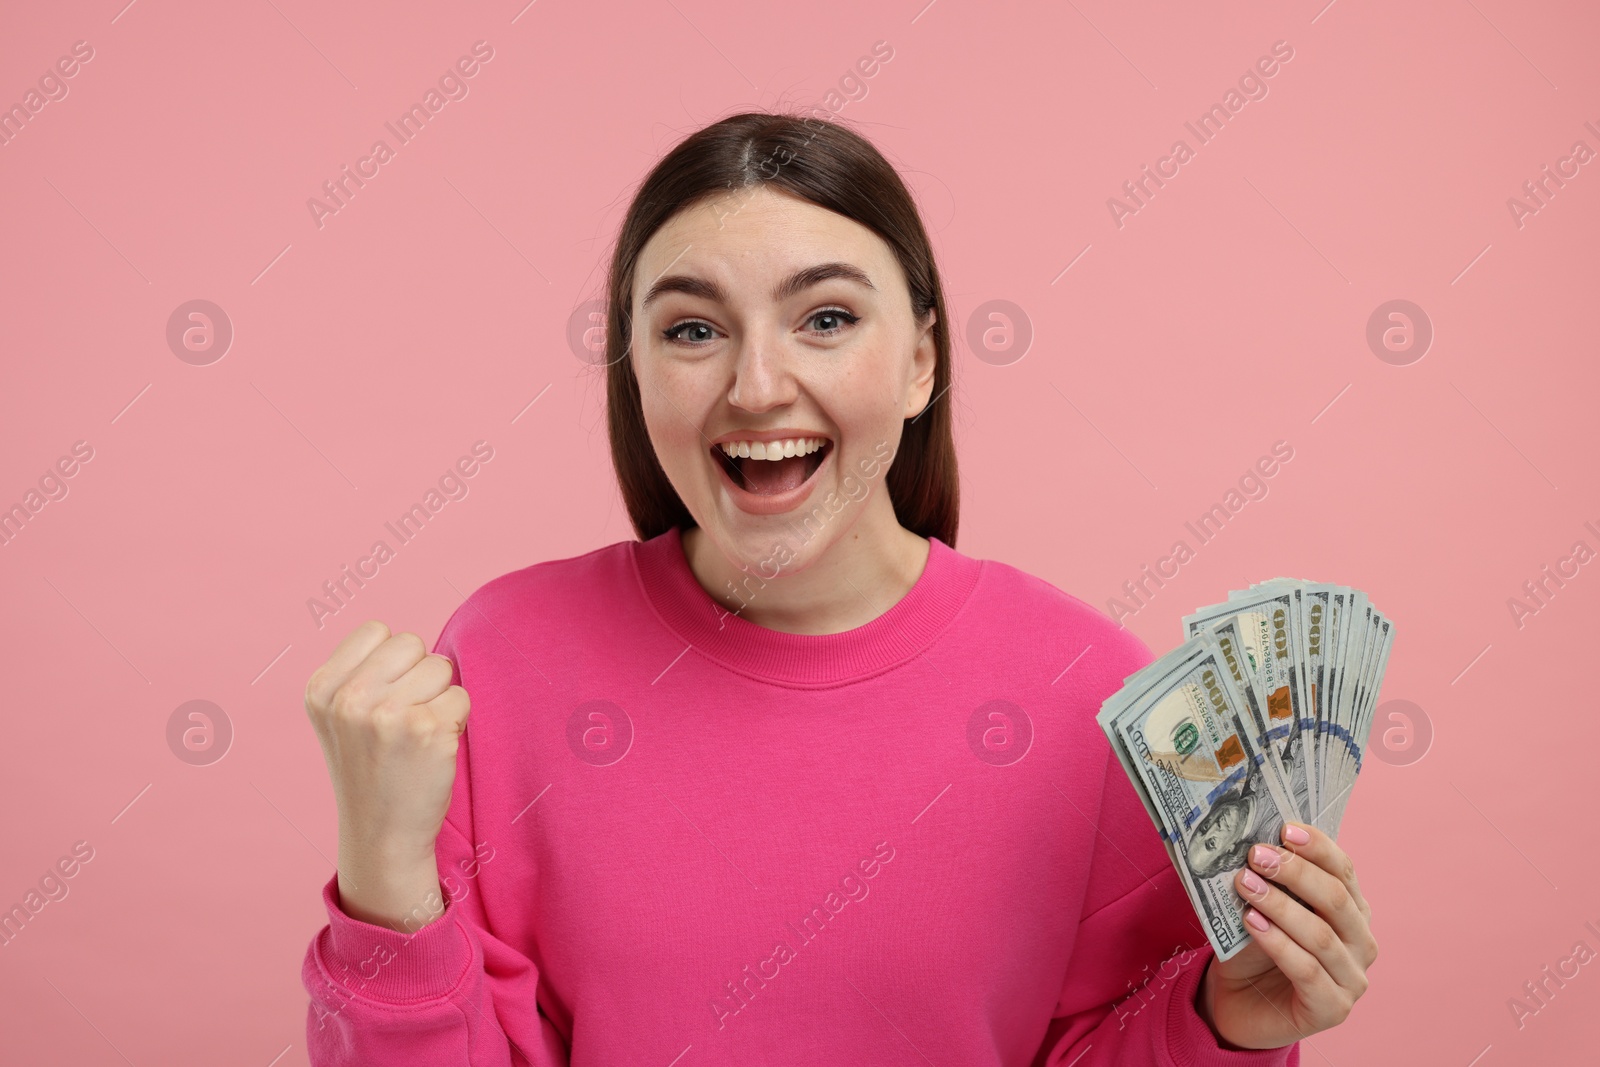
<point x="763" y="378"/>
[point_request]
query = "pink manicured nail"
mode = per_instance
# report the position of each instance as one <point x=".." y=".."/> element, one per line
<point x="1253" y="883"/>
<point x="1263" y="856"/>
<point x="1258" y="920"/>
<point x="1295" y="835"/>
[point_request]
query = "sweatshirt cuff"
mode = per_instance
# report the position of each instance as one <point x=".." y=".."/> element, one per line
<point x="1192" y="1043"/>
<point x="377" y="963"/>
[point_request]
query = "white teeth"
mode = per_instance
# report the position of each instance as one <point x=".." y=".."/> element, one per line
<point x="794" y="446"/>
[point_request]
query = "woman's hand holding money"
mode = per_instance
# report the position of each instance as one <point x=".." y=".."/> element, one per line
<point x="1306" y="965"/>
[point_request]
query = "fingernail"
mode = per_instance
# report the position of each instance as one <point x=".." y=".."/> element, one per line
<point x="1295" y="835"/>
<point x="1256" y="919"/>
<point x="1263" y="856"/>
<point x="1252" y="882"/>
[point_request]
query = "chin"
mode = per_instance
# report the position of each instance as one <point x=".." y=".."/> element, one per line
<point x="770" y="546"/>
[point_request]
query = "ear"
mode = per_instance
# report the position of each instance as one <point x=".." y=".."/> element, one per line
<point x="924" y="360"/>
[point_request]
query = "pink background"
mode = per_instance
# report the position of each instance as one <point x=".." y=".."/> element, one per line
<point x="1227" y="314"/>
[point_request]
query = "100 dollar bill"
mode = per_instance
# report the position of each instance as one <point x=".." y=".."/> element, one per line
<point x="1184" y="735"/>
<point x="1268" y="628"/>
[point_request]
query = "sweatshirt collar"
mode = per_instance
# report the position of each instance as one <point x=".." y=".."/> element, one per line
<point x="803" y="660"/>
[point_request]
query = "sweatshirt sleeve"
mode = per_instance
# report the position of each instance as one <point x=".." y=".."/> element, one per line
<point x="448" y="994"/>
<point x="1139" y="957"/>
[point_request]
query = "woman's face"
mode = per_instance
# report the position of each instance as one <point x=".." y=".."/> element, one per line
<point x="760" y="318"/>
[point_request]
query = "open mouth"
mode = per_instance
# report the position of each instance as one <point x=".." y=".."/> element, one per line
<point x="772" y="468"/>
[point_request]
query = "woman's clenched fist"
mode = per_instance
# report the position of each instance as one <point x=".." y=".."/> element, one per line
<point x="390" y="725"/>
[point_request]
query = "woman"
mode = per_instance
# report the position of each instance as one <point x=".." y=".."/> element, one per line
<point x="788" y="779"/>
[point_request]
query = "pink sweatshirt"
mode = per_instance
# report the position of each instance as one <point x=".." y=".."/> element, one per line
<point x="680" y="838"/>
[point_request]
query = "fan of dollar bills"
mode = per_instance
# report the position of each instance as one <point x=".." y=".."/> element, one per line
<point x="1260" y="717"/>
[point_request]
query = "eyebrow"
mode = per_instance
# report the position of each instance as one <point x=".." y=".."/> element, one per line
<point x="794" y="283"/>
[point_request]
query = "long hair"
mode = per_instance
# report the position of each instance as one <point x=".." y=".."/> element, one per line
<point x="834" y="168"/>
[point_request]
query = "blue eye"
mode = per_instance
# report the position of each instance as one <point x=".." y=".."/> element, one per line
<point x="838" y="314"/>
<point x="840" y="317"/>
<point x="672" y="333"/>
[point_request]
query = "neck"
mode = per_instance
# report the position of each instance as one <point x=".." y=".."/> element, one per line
<point x="861" y="574"/>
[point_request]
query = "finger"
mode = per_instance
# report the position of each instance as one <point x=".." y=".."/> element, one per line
<point x="1306" y="840"/>
<point x="1321" y="891"/>
<point x="391" y="659"/>
<point x="1308" y="929"/>
<point x="1324" y="999"/>
<point x="431" y="676"/>
<point x="357" y="645"/>
<point x="451" y="706"/>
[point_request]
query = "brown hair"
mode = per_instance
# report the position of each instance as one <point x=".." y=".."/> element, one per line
<point x="834" y="168"/>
